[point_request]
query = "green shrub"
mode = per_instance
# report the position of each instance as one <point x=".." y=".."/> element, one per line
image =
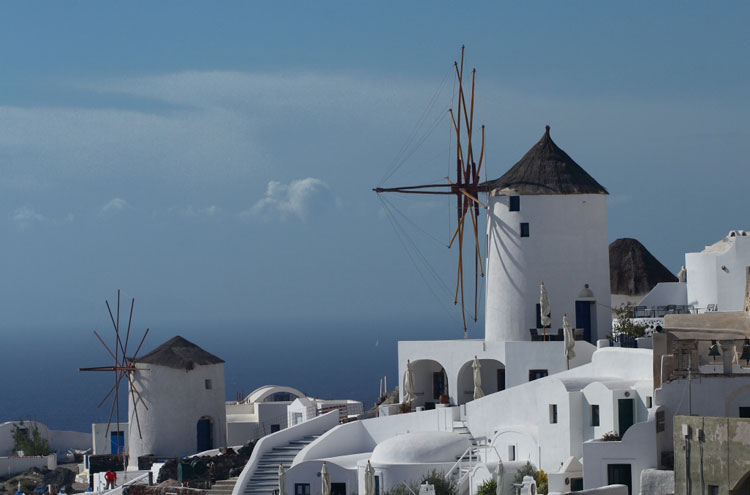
<point x="30" y="442"/>
<point x="624" y="325"/>
<point x="489" y="487"/>
<point x="540" y="477"/>
<point x="611" y="436"/>
<point x="436" y="478"/>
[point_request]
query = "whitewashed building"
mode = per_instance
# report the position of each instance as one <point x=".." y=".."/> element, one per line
<point x="547" y="223"/>
<point x="180" y="397"/>
<point x="716" y="275"/>
<point x="262" y="411"/>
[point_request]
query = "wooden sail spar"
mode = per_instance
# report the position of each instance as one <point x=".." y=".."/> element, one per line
<point x="122" y="367"/>
<point x="465" y="187"/>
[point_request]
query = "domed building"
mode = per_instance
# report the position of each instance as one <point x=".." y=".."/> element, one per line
<point x="180" y="401"/>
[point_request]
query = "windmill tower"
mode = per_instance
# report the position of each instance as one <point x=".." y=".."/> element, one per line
<point x="547" y="222"/>
<point x="180" y="400"/>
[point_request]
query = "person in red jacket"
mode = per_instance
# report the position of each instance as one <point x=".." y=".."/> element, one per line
<point x="110" y="477"/>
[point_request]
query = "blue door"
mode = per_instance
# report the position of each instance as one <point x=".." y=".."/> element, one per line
<point x="117" y="440"/>
<point x="583" y="319"/>
<point x="205" y="442"/>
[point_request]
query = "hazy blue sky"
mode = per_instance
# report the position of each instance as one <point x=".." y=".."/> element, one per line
<point x="215" y="160"/>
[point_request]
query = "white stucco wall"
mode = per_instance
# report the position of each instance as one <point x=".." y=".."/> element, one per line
<point x="176" y="400"/>
<point x="520" y="416"/>
<point x="708" y="283"/>
<point x="59" y="440"/>
<point x="664" y="294"/>
<point x="637" y="448"/>
<point x="455" y="356"/>
<point x="704" y="395"/>
<point x="102" y="440"/>
<point x="567" y="247"/>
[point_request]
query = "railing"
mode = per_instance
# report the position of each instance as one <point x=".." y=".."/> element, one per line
<point x="661" y="311"/>
<point x="473" y="459"/>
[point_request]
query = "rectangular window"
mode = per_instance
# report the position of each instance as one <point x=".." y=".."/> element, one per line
<point x="659" y="421"/>
<point x="744" y="412"/>
<point x="515" y="203"/>
<point x="500" y="380"/>
<point x="377" y="485"/>
<point x="302" y="489"/>
<point x="594" y="415"/>
<point x="576" y="484"/>
<point x="511" y="452"/>
<point x="275" y="428"/>
<point x="536" y="374"/>
<point x="649" y="402"/>
<point x="338" y="489"/>
<point x="553" y="413"/>
<point x="713" y="490"/>
<point x="524" y="229"/>
<point x="209" y="384"/>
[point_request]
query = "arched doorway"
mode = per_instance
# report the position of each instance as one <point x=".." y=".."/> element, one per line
<point x="205" y="434"/>
<point x="742" y="485"/>
<point x="493" y="379"/>
<point x="430" y="382"/>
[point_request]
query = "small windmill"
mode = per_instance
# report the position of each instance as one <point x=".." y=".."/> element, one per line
<point x="122" y="367"/>
<point x="465" y="187"/>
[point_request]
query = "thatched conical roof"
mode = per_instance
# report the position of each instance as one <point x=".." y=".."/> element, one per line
<point x="546" y="169"/>
<point x="179" y="352"/>
<point x="633" y="271"/>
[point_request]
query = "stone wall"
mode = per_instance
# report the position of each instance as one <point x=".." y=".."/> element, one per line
<point x="711" y="451"/>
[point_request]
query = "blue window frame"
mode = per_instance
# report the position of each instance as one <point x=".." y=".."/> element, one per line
<point x="515" y="203"/>
<point x="524" y="229"/>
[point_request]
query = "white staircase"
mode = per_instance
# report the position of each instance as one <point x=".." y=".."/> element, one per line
<point x="466" y="462"/>
<point x="461" y="428"/>
<point x="223" y="487"/>
<point x="265" y="479"/>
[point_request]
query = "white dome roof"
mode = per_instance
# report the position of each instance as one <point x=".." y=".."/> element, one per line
<point x="421" y="447"/>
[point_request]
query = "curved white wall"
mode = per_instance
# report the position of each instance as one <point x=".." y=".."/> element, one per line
<point x="567" y="247"/>
<point x="709" y="283"/>
<point x="176" y="400"/>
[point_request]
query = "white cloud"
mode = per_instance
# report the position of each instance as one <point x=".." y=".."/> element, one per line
<point x="293" y="199"/>
<point x="190" y="211"/>
<point x="26" y="216"/>
<point x="113" y="207"/>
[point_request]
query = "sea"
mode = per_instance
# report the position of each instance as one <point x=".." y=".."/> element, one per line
<point x="324" y="359"/>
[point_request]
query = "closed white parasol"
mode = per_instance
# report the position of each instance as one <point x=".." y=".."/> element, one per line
<point x="499" y="478"/>
<point x="369" y="479"/>
<point x="478" y="393"/>
<point x="570" y="341"/>
<point x="409" y="392"/>
<point x="282" y="479"/>
<point x="325" y="479"/>
<point x="544" y="309"/>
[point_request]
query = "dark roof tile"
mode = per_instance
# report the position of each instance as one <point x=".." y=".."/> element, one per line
<point x="546" y="169"/>
<point x="179" y="352"/>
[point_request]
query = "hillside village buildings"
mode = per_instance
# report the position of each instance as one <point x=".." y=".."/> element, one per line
<point x="605" y="416"/>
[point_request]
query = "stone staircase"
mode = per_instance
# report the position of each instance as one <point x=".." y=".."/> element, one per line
<point x="461" y="428"/>
<point x="223" y="487"/>
<point x="265" y="479"/>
